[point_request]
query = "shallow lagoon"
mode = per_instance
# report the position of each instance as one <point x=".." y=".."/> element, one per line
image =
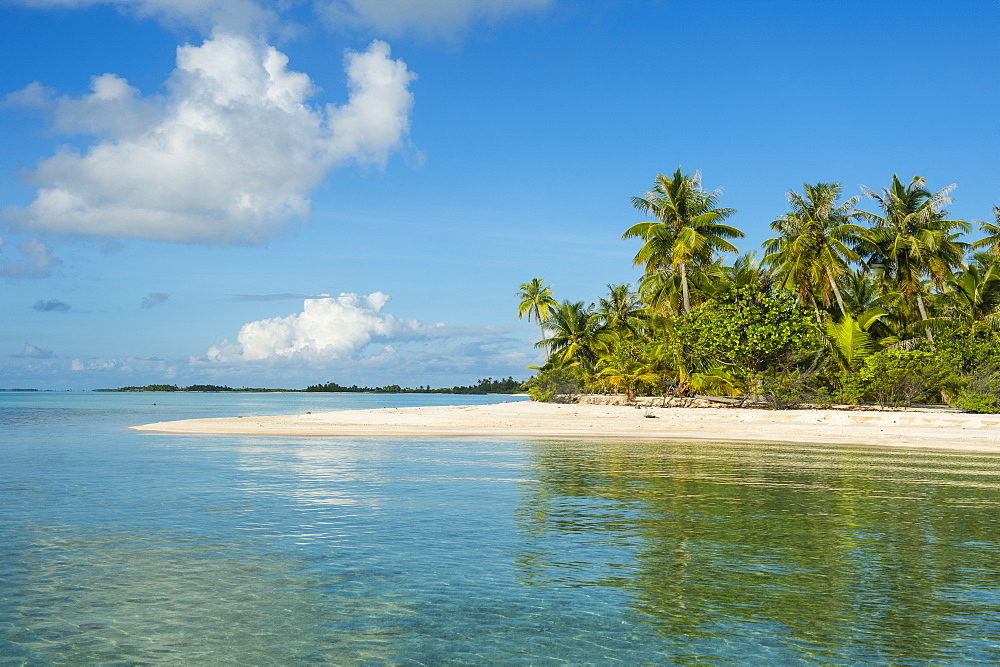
<point x="120" y="546"/>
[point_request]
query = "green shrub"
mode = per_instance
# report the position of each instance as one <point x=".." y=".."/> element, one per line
<point x="978" y="403"/>
<point x="551" y="383"/>
<point x="752" y="331"/>
<point x="897" y="378"/>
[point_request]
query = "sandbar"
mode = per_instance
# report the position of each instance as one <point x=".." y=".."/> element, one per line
<point x="529" y="419"/>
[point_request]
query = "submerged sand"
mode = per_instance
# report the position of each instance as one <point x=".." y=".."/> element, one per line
<point x="937" y="430"/>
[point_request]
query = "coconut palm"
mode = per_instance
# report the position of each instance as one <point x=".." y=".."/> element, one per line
<point x="748" y="270"/>
<point x="662" y="291"/>
<point x="629" y="365"/>
<point x="622" y="310"/>
<point x="912" y="238"/>
<point x="992" y="240"/>
<point x="688" y="227"/>
<point x="974" y="295"/>
<point x="816" y="244"/>
<point x="536" y="302"/>
<point x="851" y="340"/>
<point x="576" y="334"/>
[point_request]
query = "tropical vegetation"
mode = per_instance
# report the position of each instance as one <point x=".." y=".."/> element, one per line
<point x="878" y="298"/>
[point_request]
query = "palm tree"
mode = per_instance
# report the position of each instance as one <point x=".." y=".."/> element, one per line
<point x="576" y="334"/>
<point x="748" y="270"/>
<point x="912" y="238"/>
<point x="974" y="296"/>
<point x="536" y="301"/>
<point x="816" y="244"/>
<point x="992" y="240"/>
<point x="851" y="340"/>
<point x="629" y="365"/>
<point x="688" y="228"/>
<point x="662" y="291"/>
<point x="622" y="310"/>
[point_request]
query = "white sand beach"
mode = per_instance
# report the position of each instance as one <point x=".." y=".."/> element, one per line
<point x="935" y="430"/>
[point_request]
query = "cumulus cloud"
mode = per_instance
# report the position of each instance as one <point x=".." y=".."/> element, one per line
<point x="327" y="329"/>
<point x="438" y="18"/>
<point x="154" y="299"/>
<point x="36" y="262"/>
<point x="32" y="352"/>
<point x="51" y="306"/>
<point x="229" y="155"/>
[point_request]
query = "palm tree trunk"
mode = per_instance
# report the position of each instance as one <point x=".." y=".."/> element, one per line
<point x="819" y="321"/>
<point x="538" y="317"/>
<point x="684" y="288"/>
<point x="923" y="316"/>
<point x="836" y="292"/>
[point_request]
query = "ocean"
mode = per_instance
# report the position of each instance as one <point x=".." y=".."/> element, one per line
<point x="119" y="546"/>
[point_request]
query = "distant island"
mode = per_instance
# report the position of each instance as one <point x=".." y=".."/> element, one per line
<point x="484" y="386"/>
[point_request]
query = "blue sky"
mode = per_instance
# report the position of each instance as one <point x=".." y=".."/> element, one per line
<point x="279" y="194"/>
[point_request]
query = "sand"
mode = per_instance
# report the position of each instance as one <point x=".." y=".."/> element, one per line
<point x="934" y="430"/>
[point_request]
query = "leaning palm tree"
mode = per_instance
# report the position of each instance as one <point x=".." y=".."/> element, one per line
<point x="816" y="244"/>
<point x="912" y="238"/>
<point x="536" y="301"/>
<point x="688" y="227"/>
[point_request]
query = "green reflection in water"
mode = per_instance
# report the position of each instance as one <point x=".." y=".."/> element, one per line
<point x="829" y="552"/>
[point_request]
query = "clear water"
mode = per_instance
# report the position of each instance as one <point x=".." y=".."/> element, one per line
<point x="125" y="547"/>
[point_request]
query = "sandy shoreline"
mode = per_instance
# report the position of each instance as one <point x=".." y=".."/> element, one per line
<point x="935" y="430"/>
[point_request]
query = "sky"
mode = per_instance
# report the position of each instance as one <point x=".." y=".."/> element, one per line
<point x="278" y="193"/>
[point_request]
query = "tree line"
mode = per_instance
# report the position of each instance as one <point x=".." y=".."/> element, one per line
<point x="483" y="386"/>
<point x="876" y="298"/>
<point x="193" y="387"/>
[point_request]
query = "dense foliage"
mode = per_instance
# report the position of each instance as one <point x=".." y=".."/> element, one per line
<point x="885" y="303"/>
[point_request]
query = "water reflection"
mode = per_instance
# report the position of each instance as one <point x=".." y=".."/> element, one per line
<point x="835" y="552"/>
<point x="117" y="596"/>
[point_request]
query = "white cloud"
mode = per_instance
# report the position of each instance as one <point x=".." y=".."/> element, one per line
<point x="32" y="352"/>
<point x="351" y="338"/>
<point x="327" y="329"/>
<point x="228" y="156"/>
<point x="439" y="18"/>
<point x="113" y="109"/>
<point x="233" y="15"/>
<point x="37" y="261"/>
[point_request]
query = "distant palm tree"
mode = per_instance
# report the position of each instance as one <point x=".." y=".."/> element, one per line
<point x="688" y="227"/>
<point x="748" y="270"/>
<point x="912" y="238"/>
<point x="536" y="301"/>
<point x="816" y="244"/>
<point x="992" y="240"/>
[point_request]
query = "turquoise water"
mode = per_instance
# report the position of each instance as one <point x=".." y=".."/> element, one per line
<point x="127" y="547"/>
